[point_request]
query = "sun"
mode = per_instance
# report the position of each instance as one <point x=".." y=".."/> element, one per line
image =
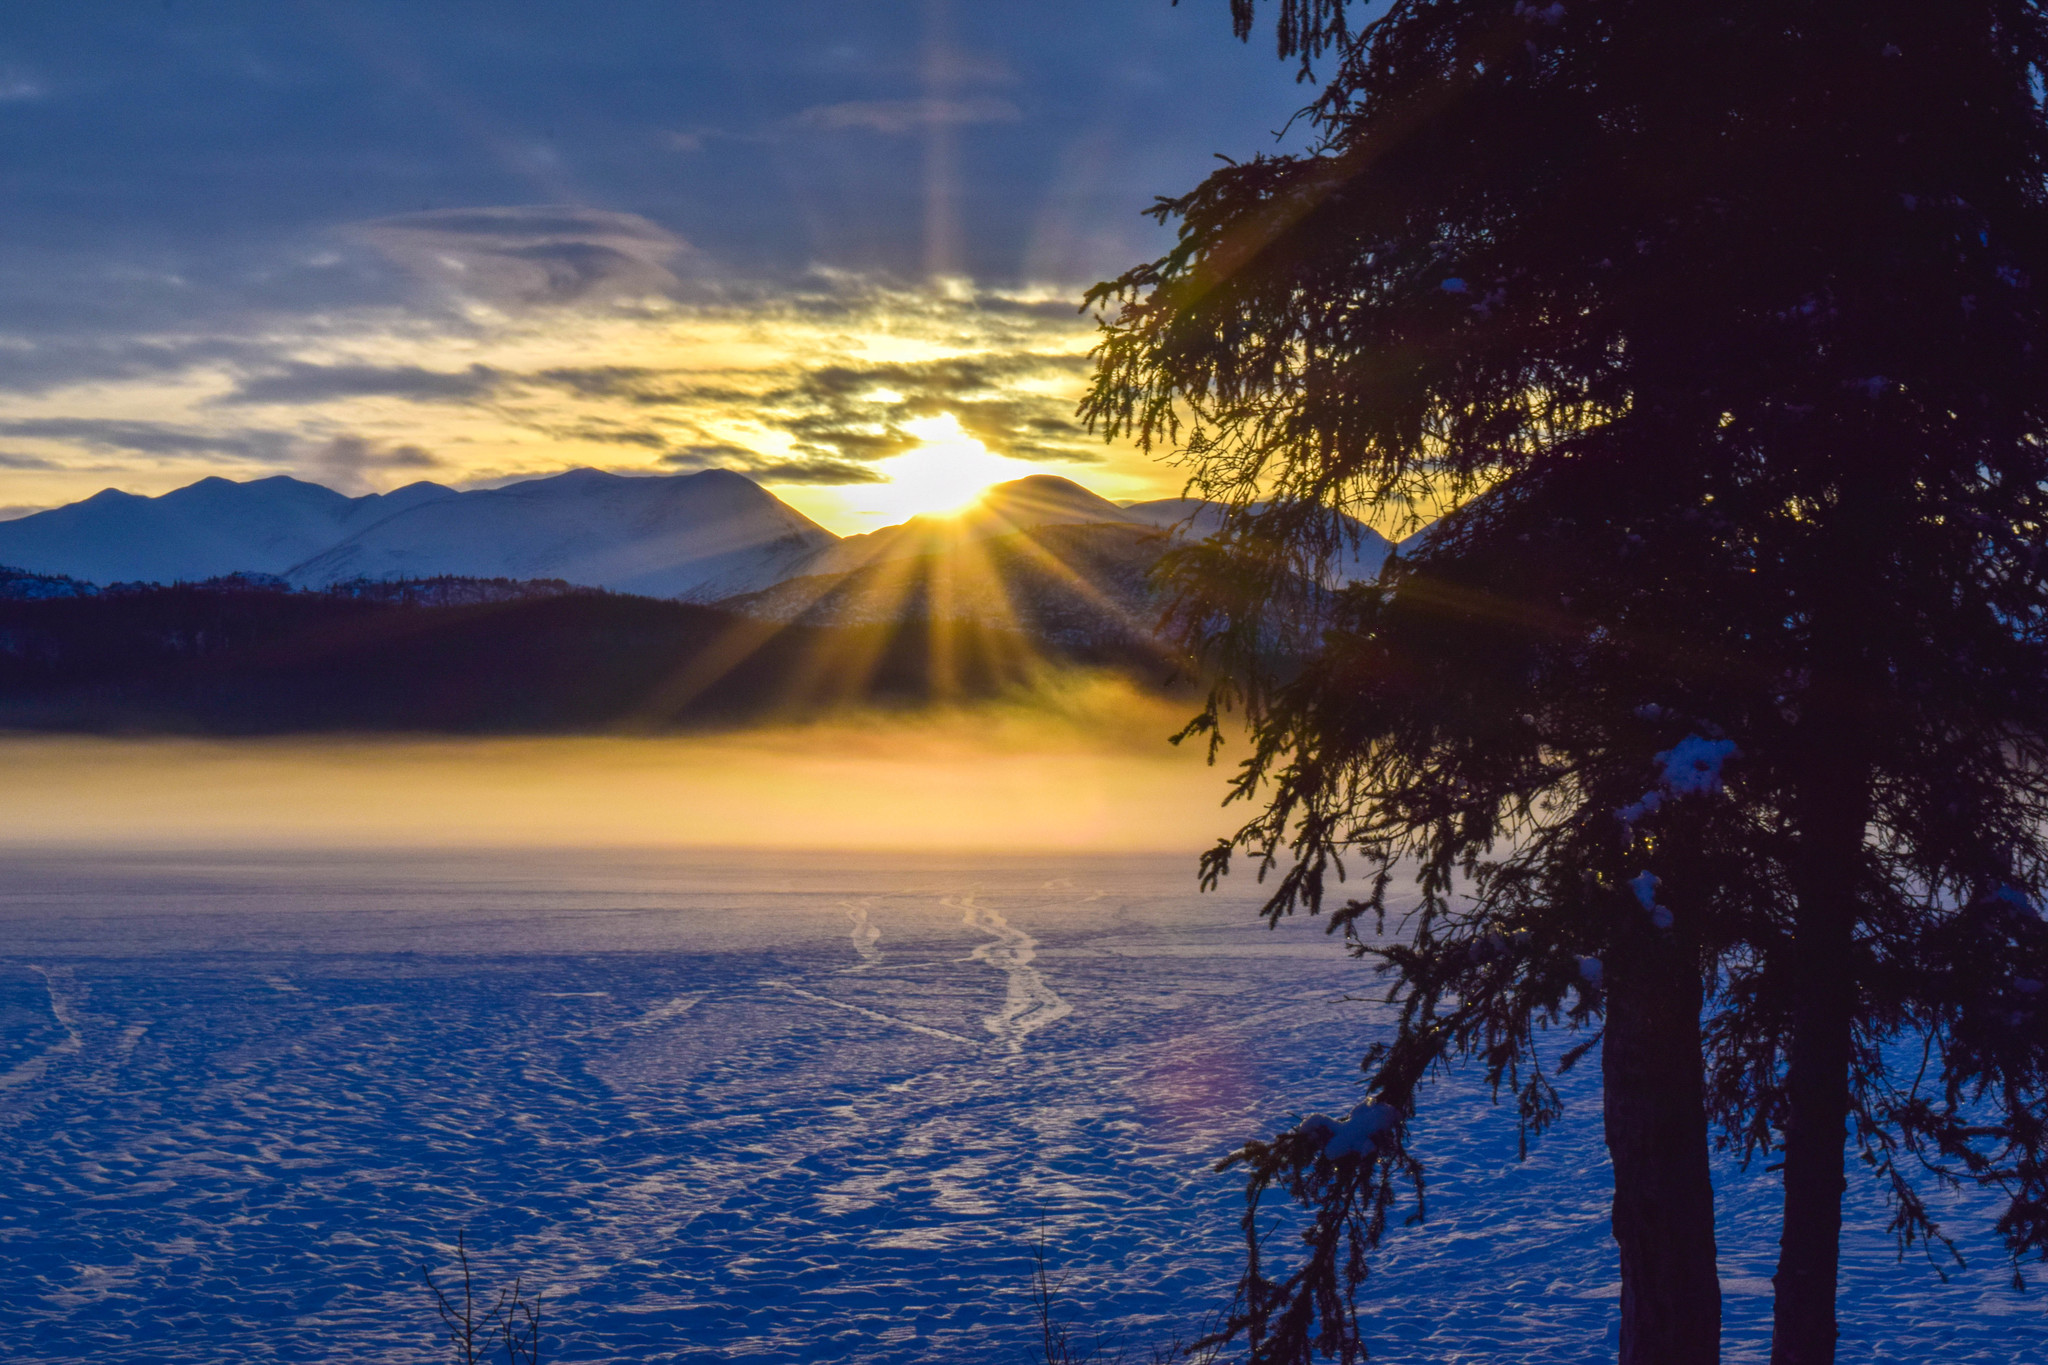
<point x="946" y="472"/>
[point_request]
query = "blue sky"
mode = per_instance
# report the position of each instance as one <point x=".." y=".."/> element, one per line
<point x="341" y="239"/>
<point x="221" y="145"/>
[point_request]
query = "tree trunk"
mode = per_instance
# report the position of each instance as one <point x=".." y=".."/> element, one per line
<point x="1832" y="817"/>
<point x="1656" y="1119"/>
<point x="1831" y="806"/>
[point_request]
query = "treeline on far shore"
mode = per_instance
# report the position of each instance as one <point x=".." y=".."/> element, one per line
<point x="245" y="656"/>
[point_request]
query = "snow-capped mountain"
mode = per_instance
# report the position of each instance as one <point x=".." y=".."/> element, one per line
<point x="685" y="535"/>
<point x="204" y="530"/>
<point x="698" y="536"/>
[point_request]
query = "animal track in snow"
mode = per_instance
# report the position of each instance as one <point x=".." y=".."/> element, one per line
<point x="864" y="937"/>
<point x="1029" y="1004"/>
<point x="60" y="1010"/>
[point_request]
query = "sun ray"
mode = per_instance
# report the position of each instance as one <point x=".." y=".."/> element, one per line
<point x="1029" y="545"/>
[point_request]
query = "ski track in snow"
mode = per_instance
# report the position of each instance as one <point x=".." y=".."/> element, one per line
<point x="245" y="1101"/>
<point x="865" y="1013"/>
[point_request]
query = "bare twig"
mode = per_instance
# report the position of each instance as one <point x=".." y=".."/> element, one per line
<point x="512" y="1317"/>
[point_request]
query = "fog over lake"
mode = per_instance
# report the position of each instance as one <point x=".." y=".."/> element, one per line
<point x="1080" y="764"/>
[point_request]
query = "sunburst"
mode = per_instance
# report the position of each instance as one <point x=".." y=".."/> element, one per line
<point x="944" y="473"/>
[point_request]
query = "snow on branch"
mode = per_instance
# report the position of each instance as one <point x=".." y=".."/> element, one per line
<point x="1691" y="767"/>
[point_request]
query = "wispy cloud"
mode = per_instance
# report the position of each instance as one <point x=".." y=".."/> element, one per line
<point x="19" y="87"/>
<point x="347" y="462"/>
<point x="815" y="470"/>
<point x="39" y="365"/>
<point x="298" y="382"/>
<point x="643" y="386"/>
<point x="862" y="412"/>
<point x="151" y="438"/>
<point x="545" y="254"/>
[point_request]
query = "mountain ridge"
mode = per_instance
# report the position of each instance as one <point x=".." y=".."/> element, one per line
<point x="710" y="533"/>
<point x="713" y="535"/>
<point x="206" y="529"/>
<point x="687" y="536"/>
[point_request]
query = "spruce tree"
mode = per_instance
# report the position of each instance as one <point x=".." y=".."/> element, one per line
<point x="1721" y="694"/>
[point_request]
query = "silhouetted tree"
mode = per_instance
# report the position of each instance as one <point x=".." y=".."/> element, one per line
<point x="1723" y="689"/>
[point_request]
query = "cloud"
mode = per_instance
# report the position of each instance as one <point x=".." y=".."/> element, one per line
<point x="20" y="87"/>
<point x="816" y="465"/>
<point x="847" y="436"/>
<point x="540" y="254"/>
<point x="10" y="459"/>
<point x="298" y="382"/>
<point x="768" y="468"/>
<point x="819" y="471"/>
<point x="641" y="385"/>
<point x="1025" y="429"/>
<point x="43" y="364"/>
<point x="860" y="412"/>
<point x="893" y="118"/>
<point x="347" y="462"/>
<point x="151" y="438"/>
<point x="606" y="433"/>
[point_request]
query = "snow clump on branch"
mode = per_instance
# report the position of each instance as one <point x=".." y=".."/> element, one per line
<point x="1645" y="885"/>
<point x="1358" y="1134"/>
<point x="1691" y="767"/>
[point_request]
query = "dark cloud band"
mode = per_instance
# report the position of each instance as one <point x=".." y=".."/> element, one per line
<point x="300" y="383"/>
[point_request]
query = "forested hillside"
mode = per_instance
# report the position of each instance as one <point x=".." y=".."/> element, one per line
<point x="237" y="658"/>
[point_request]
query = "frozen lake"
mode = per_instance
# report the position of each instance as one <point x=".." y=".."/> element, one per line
<point x="763" y="1105"/>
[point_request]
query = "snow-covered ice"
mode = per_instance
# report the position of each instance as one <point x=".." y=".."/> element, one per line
<point x="760" y="1106"/>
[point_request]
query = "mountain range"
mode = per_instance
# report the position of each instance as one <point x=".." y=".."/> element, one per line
<point x="1040" y="548"/>
<point x="695" y="536"/>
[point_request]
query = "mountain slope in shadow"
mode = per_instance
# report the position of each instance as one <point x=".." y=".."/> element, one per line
<point x="1068" y="585"/>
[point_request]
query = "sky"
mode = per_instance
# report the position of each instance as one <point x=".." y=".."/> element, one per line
<point x="837" y="246"/>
